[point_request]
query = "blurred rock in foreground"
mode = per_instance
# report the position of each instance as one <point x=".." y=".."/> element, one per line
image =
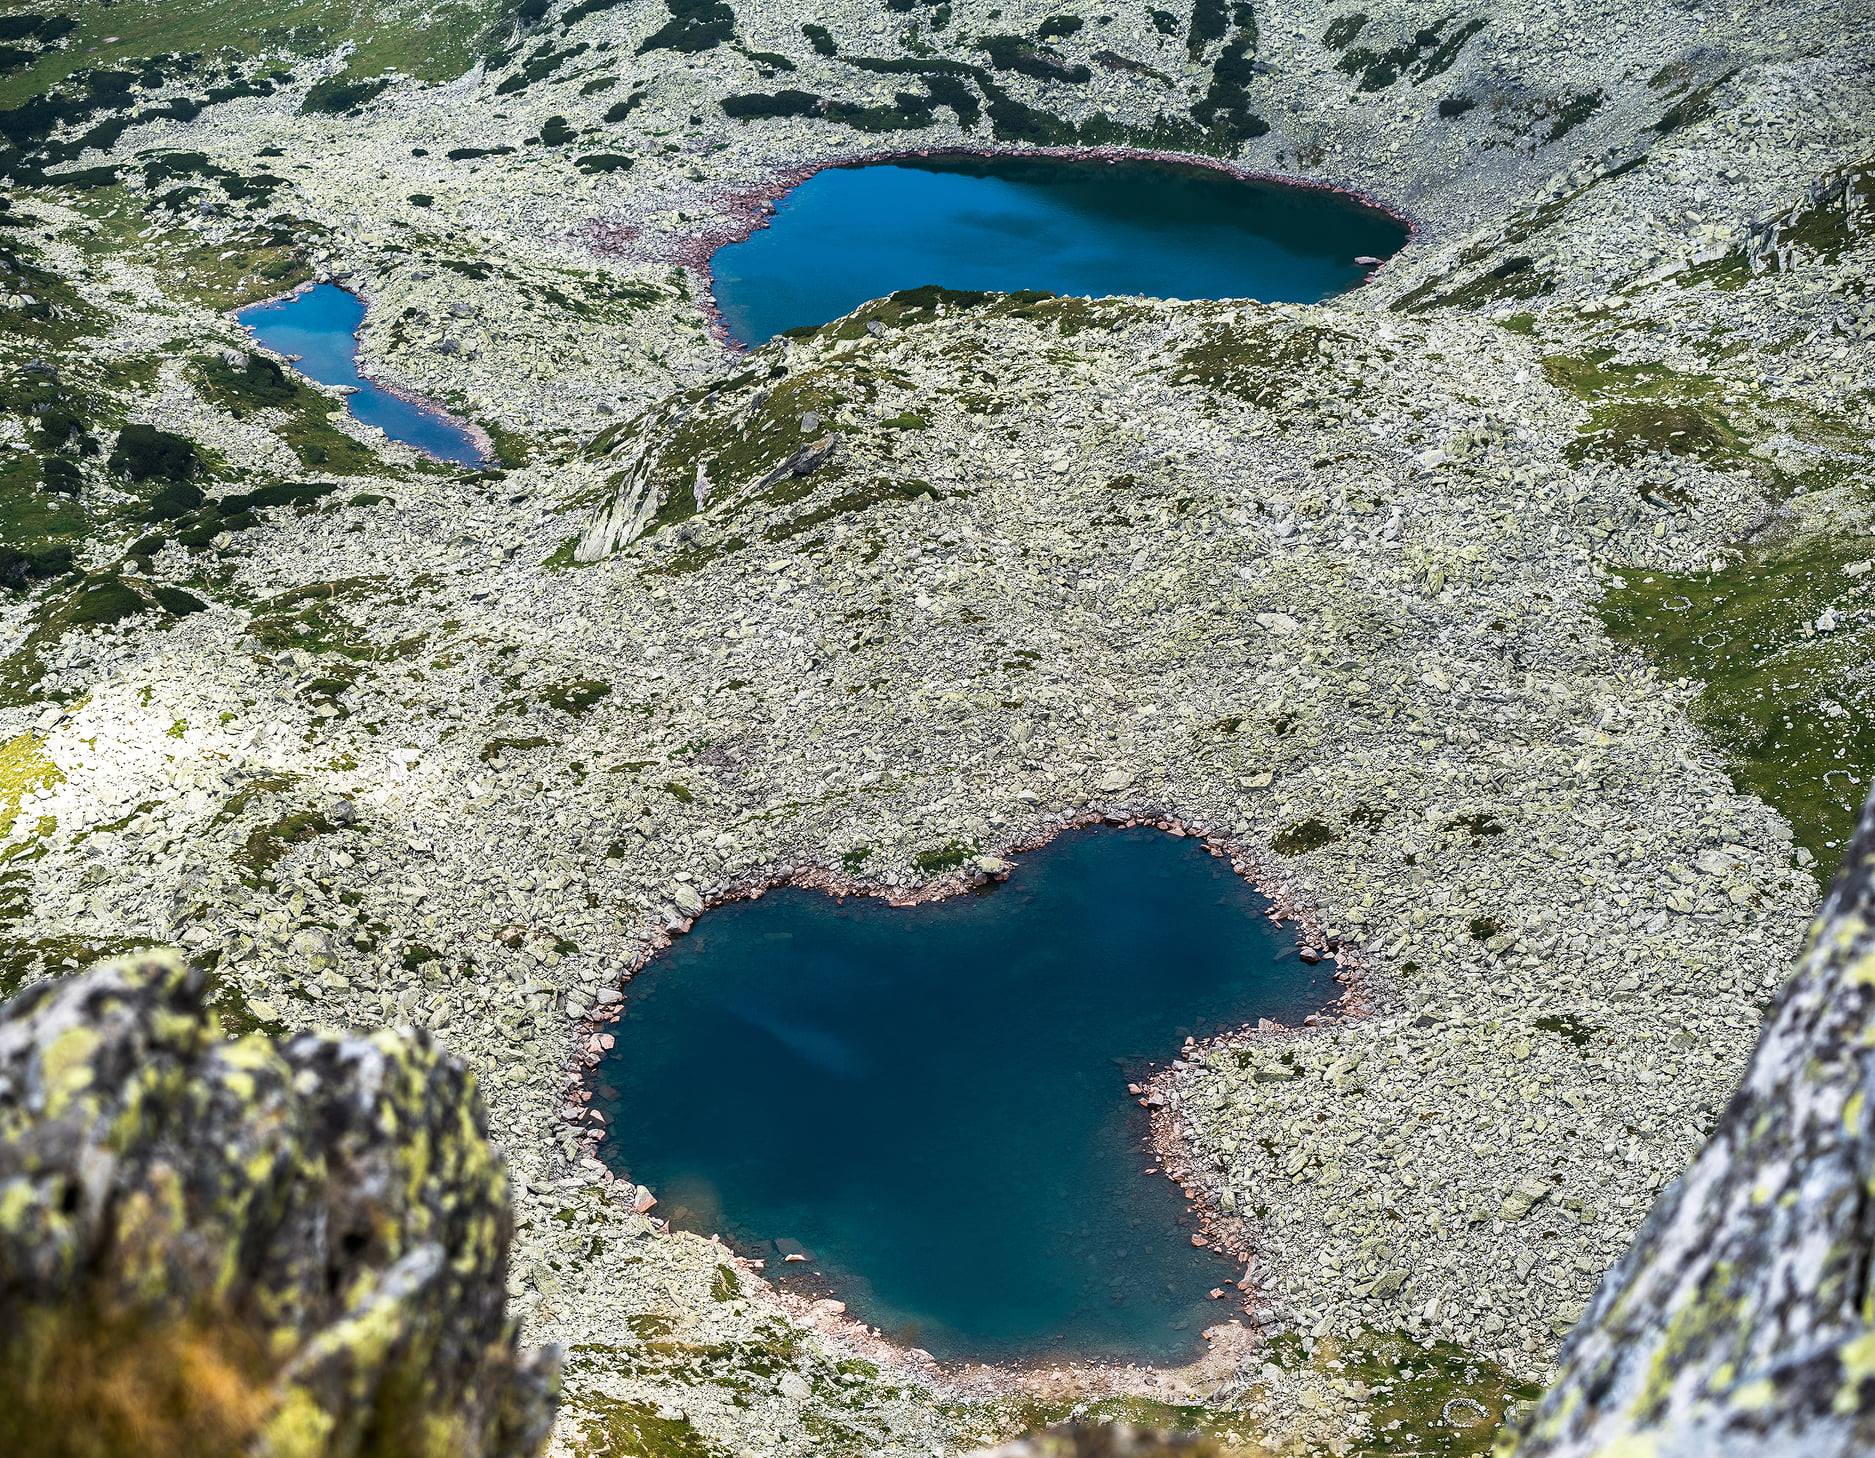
<point x="212" y="1247"/>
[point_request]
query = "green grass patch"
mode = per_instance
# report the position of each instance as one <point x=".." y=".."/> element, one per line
<point x="1791" y="707"/>
<point x="611" y="1428"/>
<point x="1432" y="1401"/>
<point x="430" y="40"/>
<point x="24" y="768"/>
<point x="1643" y="409"/>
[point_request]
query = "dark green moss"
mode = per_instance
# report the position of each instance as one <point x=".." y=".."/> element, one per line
<point x="695" y="25"/>
<point x="1572" y="113"/>
<point x="1568" y="1027"/>
<point x="1304" y="836"/>
<point x="500" y="748"/>
<point x="1225" y="106"/>
<point x="750" y="104"/>
<point x="577" y="695"/>
<point x="1342" y="31"/>
<point x="1516" y="277"/>
<point x="343" y="93"/>
<point x="1028" y="58"/>
<point x="267" y="845"/>
<point x="947" y="857"/>
<point x="1421" y="56"/>
<point x="144" y="453"/>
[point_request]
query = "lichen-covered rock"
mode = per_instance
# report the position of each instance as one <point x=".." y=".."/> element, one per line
<point x="322" y="1225"/>
<point x="1742" y="1320"/>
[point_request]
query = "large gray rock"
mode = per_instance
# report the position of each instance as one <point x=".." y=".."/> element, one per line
<point x="323" y="1224"/>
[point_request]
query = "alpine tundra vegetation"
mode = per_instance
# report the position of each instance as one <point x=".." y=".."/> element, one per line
<point x="1506" y="619"/>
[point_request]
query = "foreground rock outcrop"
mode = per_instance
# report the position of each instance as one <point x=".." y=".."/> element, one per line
<point x="241" y="1247"/>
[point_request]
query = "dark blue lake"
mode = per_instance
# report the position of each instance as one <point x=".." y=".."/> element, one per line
<point x="319" y="328"/>
<point x="931" y="1101"/>
<point x="1078" y="227"/>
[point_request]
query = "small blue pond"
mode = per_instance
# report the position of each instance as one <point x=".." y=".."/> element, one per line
<point x="930" y="1102"/>
<point x="1088" y="228"/>
<point x="318" y="328"/>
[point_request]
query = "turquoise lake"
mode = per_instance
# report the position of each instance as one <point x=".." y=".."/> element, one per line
<point x="930" y="1102"/>
<point x="318" y="329"/>
<point x="1076" y="227"/>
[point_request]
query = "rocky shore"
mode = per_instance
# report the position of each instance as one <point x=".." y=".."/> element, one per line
<point x="1364" y="590"/>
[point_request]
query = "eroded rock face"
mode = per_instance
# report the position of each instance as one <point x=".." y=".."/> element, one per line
<point x="327" y="1215"/>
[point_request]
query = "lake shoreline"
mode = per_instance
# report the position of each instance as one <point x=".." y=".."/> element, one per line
<point x="747" y="211"/>
<point x="477" y="436"/>
<point x="1168" y="1140"/>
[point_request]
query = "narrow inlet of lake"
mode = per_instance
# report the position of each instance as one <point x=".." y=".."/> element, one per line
<point x="1083" y="227"/>
<point x="317" y="328"/>
<point x="929" y="1103"/>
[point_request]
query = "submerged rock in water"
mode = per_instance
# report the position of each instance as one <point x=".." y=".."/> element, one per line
<point x="295" y="1249"/>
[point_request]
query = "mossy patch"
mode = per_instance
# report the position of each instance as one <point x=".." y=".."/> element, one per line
<point x="1264" y="364"/>
<point x="695" y="25"/>
<point x="576" y="695"/>
<point x="1436" y="1399"/>
<point x="1783" y="644"/>
<point x="314" y="618"/>
<point x="100" y="600"/>
<point x="1514" y="277"/>
<point x="267" y="845"/>
<point x="1304" y="836"/>
<point x="1642" y="409"/>
<point x="947" y="857"/>
<point x="144" y="453"/>
<point x="303" y="417"/>
<point x="613" y="1428"/>
<point x="24" y="768"/>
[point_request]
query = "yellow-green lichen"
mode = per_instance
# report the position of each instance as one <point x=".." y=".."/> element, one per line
<point x="24" y="768"/>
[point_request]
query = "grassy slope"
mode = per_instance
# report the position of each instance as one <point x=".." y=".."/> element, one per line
<point x="433" y="42"/>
